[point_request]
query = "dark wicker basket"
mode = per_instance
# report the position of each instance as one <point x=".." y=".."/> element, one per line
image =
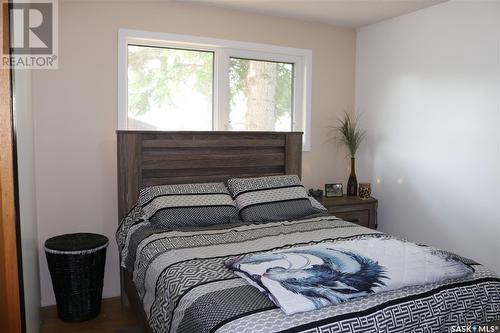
<point x="76" y="264"/>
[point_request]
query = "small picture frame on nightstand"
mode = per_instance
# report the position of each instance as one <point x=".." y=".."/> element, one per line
<point x="334" y="190"/>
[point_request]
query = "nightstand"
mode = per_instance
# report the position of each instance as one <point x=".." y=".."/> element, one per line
<point x="353" y="209"/>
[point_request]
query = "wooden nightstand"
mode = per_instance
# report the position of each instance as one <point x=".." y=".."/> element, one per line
<point x="353" y="209"/>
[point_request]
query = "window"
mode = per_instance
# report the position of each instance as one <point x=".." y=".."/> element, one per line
<point x="261" y="95"/>
<point x="169" y="89"/>
<point x="186" y="83"/>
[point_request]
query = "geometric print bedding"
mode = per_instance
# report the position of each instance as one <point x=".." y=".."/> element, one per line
<point x="184" y="286"/>
<point x="274" y="198"/>
<point x="187" y="205"/>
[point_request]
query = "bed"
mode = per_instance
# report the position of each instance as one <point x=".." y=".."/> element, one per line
<point x="177" y="281"/>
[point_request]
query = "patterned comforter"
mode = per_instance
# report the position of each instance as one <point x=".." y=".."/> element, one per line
<point x="185" y="287"/>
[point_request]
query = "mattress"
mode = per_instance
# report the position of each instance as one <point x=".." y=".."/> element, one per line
<point x="184" y="286"/>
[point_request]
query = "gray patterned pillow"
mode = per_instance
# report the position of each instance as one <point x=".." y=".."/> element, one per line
<point x="274" y="198"/>
<point x="188" y="205"/>
<point x="316" y="204"/>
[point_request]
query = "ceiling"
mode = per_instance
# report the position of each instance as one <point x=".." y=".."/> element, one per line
<point x="347" y="13"/>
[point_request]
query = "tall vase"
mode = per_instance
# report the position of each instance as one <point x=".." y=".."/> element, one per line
<point x="352" y="183"/>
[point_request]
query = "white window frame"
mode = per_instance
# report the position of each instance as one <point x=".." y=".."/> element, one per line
<point x="223" y="50"/>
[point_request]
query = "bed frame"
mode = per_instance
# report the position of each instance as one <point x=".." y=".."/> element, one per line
<point x="147" y="158"/>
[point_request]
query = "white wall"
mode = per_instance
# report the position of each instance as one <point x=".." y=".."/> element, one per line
<point x="23" y="120"/>
<point x="427" y="84"/>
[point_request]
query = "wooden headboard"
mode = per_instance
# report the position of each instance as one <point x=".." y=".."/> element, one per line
<point x="147" y="158"/>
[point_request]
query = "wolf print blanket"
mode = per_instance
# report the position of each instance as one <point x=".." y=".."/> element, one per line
<point x="184" y="286"/>
<point x="310" y="277"/>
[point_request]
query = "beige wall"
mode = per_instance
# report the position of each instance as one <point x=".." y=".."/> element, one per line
<point x="75" y="107"/>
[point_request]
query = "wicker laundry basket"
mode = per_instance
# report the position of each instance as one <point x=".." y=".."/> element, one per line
<point x="76" y="264"/>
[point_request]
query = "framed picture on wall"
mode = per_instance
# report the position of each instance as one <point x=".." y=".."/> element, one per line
<point x="334" y="190"/>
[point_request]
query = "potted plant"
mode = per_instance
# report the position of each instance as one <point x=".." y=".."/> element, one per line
<point x="348" y="133"/>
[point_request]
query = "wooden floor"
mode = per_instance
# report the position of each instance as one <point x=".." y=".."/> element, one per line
<point x="112" y="319"/>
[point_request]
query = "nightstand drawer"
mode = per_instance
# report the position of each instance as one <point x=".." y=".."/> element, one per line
<point x="361" y="217"/>
<point x="353" y="209"/>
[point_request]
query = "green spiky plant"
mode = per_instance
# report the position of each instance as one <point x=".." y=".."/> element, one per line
<point x="348" y="133"/>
